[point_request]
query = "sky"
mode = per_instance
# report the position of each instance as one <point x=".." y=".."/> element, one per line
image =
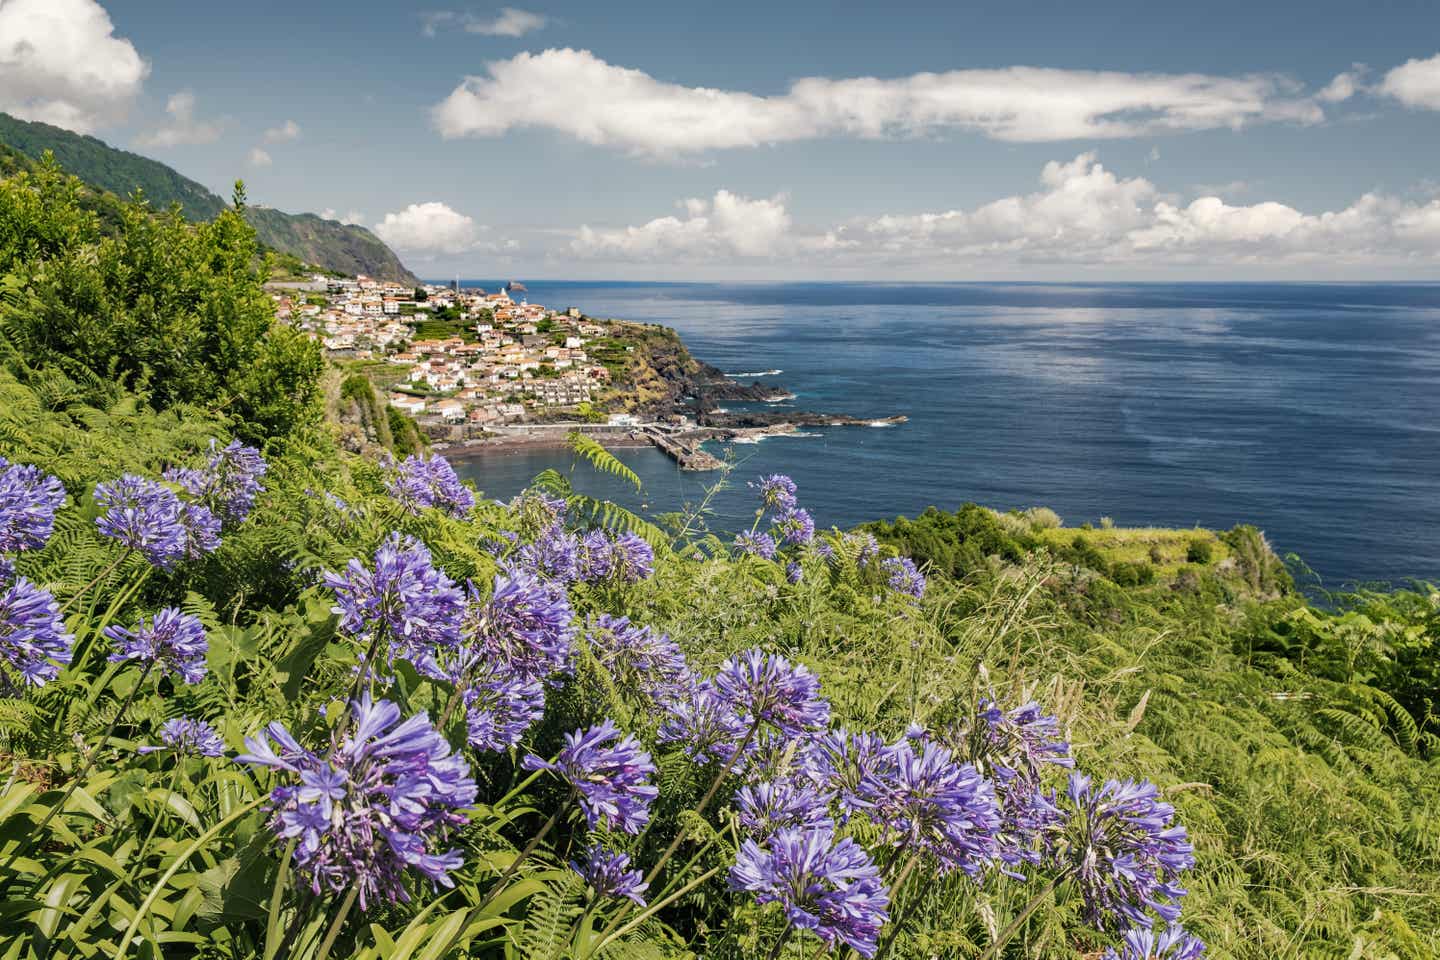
<point x="748" y="141"/>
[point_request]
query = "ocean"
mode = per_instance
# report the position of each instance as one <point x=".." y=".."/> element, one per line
<point x="1309" y="410"/>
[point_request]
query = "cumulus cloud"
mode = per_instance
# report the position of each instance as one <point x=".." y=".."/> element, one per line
<point x="1082" y="215"/>
<point x="258" y="158"/>
<point x="509" y="22"/>
<point x="428" y="228"/>
<point x="726" y="225"/>
<point x="287" y="131"/>
<point x="576" y="93"/>
<point x="1343" y="87"/>
<point x="61" y="63"/>
<point x="352" y="218"/>
<point x="183" y="127"/>
<point x="1415" y="83"/>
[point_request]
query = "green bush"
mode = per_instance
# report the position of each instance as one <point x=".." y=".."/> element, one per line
<point x="1198" y="551"/>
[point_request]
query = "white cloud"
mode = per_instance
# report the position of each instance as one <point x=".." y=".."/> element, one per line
<point x="509" y="22"/>
<point x="183" y="128"/>
<point x="1343" y="87"/>
<point x="353" y="217"/>
<point x="258" y="158"/>
<point x="289" y="130"/>
<point x="61" y="63"/>
<point x="576" y="93"/>
<point x="1415" y="83"/>
<point x="727" y="225"/>
<point x="1083" y="216"/>
<point x="431" y="228"/>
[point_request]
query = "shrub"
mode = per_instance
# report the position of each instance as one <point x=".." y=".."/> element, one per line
<point x="1199" y="551"/>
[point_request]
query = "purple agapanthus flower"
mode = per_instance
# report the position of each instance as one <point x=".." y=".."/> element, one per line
<point x="828" y="887"/>
<point x="29" y="499"/>
<point x="187" y="737"/>
<point x="404" y="600"/>
<point x="536" y="510"/>
<point x="794" y="573"/>
<point x="555" y="553"/>
<point x="597" y="556"/>
<point x="421" y="482"/>
<point x="704" y="724"/>
<point x="776" y="491"/>
<point x="1125" y="852"/>
<point x="202" y="530"/>
<point x="770" y="806"/>
<point x="851" y="765"/>
<point x="382" y="801"/>
<point x="228" y="484"/>
<point x="931" y="804"/>
<point x="794" y="526"/>
<point x="634" y="559"/>
<point x="639" y="657"/>
<point x="760" y="545"/>
<point x="33" y="642"/>
<point x="768" y="689"/>
<point x="903" y="576"/>
<point x="608" y="873"/>
<point x="1172" y="943"/>
<point x="500" y="706"/>
<point x="1016" y="748"/>
<point x="526" y="625"/>
<point x="174" y="641"/>
<point x="145" y="516"/>
<point x="611" y="781"/>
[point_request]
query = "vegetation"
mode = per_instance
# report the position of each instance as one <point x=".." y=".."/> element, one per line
<point x="1295" y="741"/>
<point x="327" y="244"/>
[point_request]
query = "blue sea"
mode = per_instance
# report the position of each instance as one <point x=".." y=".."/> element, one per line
<point x="1309" y="410"/>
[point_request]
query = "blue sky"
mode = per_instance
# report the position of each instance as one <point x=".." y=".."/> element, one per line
<point x="769" y="141"/>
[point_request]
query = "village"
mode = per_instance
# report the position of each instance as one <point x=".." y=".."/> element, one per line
<point x="499" y="362"/>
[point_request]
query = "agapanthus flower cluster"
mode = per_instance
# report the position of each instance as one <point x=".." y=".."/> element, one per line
<point x="33" y="642"/>
<point x="29" y="498"/>
<point x="704" y="724"/>
<point x="853" y="766"/>
<point x="611" y="780"/>
<point x="1125" y="852"/>
<point x="794" y="572"/>
<point x="609" y="874"/>
<point x="172" y="640"/>
<point x="828" y="887"/>
<point x="640" y="657"/>
<point x="384" y="800"/>
<point x="500" y="706"/>
<point x="536" y="510"/>
<point x="229" y="482"/>
<point x="147" y="516"/>
<point x="777" y="805"/>
<point x="526" y="625"/>
<point x="932" y="804"/>
<point x="794" y="526"/>
<point x="421" y="482"/>
<point x="776" y="491"/>
<point x="1172" y="943"/>
<point x="1016" y="747"/>
<point x="186" y="737"/>
<point x="756" y="544"/>
<point x="555" y="553"/>
<point x="903" y="576"/>
<point x="404" y="599"/>
<point x="768" y="689"/>
<point x="626" y="559"/>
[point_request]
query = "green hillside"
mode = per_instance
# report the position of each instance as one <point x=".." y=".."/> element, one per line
<point x="328" y="244"/>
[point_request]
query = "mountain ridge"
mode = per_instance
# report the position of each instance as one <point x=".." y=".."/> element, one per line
<point x="327" y="244"/>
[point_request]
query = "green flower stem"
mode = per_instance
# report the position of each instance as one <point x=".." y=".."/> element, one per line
<point x="180" y="861"/>
<point x="993" y="951"/>
<point x="346" y="905"/>
<point x="651" y="910"/>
